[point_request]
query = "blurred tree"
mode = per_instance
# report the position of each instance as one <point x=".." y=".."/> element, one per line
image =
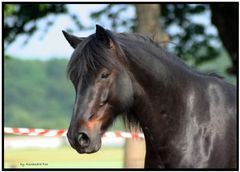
<point x="225" y="18"/>
<point x="21" y="18"/>
<point x="191" y="42"/>
<point x="148" y="21"/>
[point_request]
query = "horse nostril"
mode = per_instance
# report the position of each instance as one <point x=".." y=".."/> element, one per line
<point x="83" y="140"/>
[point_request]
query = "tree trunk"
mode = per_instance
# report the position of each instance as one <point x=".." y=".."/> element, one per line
<point x="148" y="22"/>
<point x="134" y="153"/>
<point x="225" y="18"/>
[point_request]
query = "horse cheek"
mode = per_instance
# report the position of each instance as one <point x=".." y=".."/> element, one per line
<point x="125" y="91"/>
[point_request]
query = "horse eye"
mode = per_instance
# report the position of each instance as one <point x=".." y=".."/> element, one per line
<point x="102" y="103"/>
<point x="105" y="75"/>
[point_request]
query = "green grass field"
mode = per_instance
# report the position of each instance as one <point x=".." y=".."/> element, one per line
<point x="64" y="157"/>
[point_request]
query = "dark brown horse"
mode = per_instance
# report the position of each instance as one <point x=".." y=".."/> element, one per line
<point x="188" y="118"/>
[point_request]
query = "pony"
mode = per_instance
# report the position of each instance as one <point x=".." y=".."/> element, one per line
<point x="188" y="118"/>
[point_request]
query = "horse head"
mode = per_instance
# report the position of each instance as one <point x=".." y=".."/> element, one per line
<point x="103" y="86"/>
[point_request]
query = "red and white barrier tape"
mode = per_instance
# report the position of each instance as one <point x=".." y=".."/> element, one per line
<point x="48" y="132"/>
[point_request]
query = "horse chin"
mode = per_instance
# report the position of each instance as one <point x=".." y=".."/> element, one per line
<point x="92" y="148"/>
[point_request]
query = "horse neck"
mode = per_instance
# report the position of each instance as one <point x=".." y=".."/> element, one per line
<point x="159" y="72"/>
<point x="159" y="86"/>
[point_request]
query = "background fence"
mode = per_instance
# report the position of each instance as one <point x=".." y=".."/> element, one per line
<point x="128" y="148"/>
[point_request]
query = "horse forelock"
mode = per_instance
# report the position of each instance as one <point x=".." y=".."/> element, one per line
<point x="89" y="56"/>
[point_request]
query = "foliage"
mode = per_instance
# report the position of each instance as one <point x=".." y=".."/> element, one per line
<point x="186" y="42"/>
<point x="193" y="35"/>
<point x="37" y="94"/>
<point x="117" y="16"/>
<point x="22" y="18"/>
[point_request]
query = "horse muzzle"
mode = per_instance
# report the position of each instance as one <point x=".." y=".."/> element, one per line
<point x="82" y="142"/>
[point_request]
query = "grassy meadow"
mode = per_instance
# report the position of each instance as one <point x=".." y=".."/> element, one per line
<point x="63" y="157"/>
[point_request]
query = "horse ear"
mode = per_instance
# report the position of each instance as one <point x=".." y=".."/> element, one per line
<point x="72" y="40"/>
<point x="102" y="35"/>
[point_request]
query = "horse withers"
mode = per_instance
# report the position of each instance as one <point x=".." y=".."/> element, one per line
<point x="188" y="118"/>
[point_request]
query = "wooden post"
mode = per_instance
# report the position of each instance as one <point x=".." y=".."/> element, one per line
<point x="134" y="153"/>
